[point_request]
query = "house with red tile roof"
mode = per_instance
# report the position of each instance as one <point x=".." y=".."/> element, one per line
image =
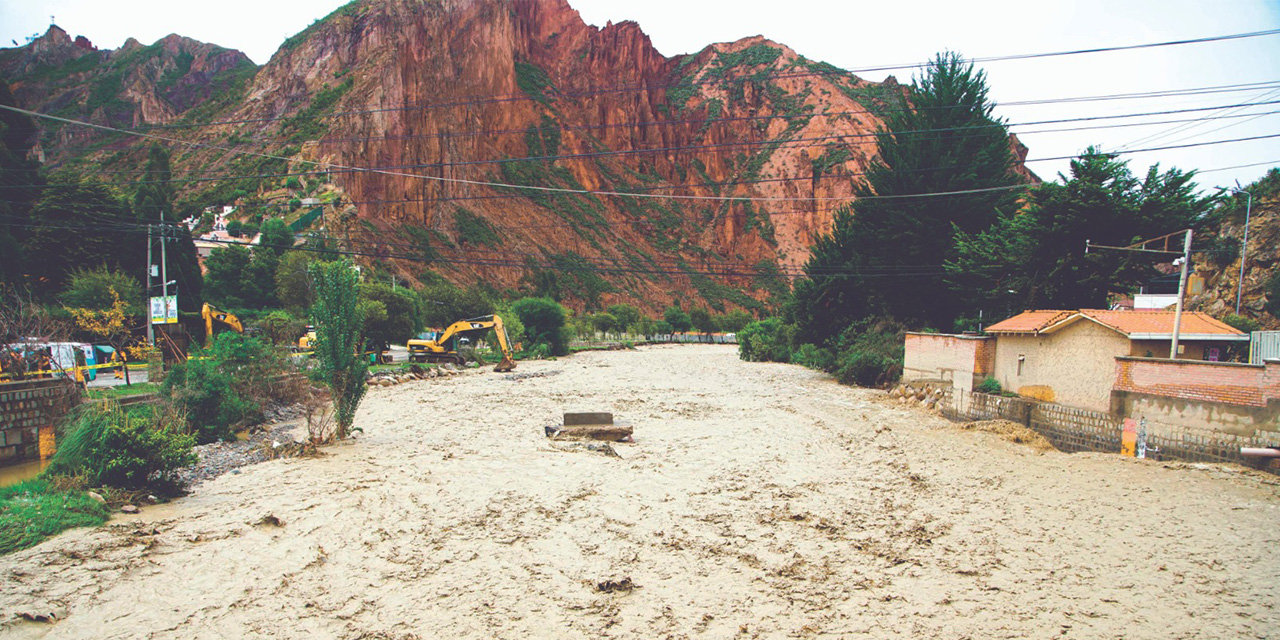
<point x="1069" y="356"/>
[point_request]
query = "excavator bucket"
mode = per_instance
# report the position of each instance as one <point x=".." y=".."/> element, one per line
<point x="506" y="365"/>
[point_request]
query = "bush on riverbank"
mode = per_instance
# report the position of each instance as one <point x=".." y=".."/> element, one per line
<point x="108" y="446"/>
<point x="868" y="353"/>
<point x="227" y="385"/>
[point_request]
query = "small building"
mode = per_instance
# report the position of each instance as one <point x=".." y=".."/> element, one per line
<point x="963" y="361"/>
<point x="1069" y="357"/>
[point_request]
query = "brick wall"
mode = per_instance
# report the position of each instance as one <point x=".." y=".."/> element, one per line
<point x="1271" y="380"/>
<point x="941" y="356"/>
<point x="1222" y="382"/>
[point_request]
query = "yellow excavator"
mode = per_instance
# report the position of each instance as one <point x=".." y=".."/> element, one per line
<point x="212" y="314"/>
<point x="444" y="347"/>
<point x="308" y="340"/>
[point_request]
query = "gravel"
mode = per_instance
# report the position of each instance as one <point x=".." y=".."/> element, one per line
<point x="217" y="458"/>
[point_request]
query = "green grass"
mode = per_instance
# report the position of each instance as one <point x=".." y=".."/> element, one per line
<point x="474" y="230"/>
<point x="534" y="81"/>
<point x="307" y="124"/>
<point x="34" y="510"/>
<point x="121" y="391"/>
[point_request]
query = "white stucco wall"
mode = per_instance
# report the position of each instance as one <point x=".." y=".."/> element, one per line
<point x="1074" y="366"/>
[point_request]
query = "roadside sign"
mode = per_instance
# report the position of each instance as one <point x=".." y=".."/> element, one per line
<point x="164" y="309"/>
<point x="1129" y="438"/>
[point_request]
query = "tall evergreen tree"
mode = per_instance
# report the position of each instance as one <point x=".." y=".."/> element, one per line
<point x="20" y="187"/>
<point x="1035" y="259"/>
<point x="885" y="256"/>
<point x="152" y="203"/>
<point x="78" y="224"/>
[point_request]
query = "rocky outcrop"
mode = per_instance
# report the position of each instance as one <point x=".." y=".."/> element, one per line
<point x="471" y="92"/>
<point x="132" y="86"/>
<point x="470" y="109"/>
<point x="1261" y="260"/>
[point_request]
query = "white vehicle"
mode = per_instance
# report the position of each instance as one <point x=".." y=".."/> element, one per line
<point x="64" y="357"/>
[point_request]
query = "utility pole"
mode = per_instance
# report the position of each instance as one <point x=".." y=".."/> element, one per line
<point x="151" y="336"/>
<point x="164" y="263"/>
<point x="1244" y="246"/>
<point x="1182" y="290"/>
<point x="1184" y="261"/>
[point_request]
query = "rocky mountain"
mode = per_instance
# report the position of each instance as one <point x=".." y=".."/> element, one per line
<point x="129" y="87"/>
<point x="452" y="102"/>
<point x="1259" y="289"/>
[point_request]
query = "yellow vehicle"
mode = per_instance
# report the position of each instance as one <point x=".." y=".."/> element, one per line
<point x="213" y="314"/>
<point x="378" y="354"/>
<point x="307" y="341"/>
<point x="444" y="347"/>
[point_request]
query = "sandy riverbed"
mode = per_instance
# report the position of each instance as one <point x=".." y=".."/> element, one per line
<point x="760" y="500"/>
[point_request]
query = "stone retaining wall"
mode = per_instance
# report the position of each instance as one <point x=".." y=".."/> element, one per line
<point x="29" y="410"/>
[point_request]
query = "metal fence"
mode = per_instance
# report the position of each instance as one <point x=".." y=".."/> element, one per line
<point x="1072" y="429"/>
<point x="1264" y="345"/>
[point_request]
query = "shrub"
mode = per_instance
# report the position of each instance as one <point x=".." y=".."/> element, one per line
<point x="1222" y="250"/>
<point x="510" y="322"/>
<point x="281" y="328"/>
<point x="870" y="352"/>
<point x="768" y="340"/>
<point x="814" y="357"/>
<point x="990" y="385"/>
<point x="544" y="324"/>
<point x="203" y="389"/>
<point x="1272" y="291"/>
<point x="1242" y="323"/>
<point x="108" y="446"/>
<point x="227" y="385"/>
<point x="91" y="289"/>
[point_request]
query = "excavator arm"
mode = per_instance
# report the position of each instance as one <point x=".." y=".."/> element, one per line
<point x="507" y="363"/>
<point x="213" y="314"/>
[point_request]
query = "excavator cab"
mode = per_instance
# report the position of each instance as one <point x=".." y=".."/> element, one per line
<point x="308" y="339"/>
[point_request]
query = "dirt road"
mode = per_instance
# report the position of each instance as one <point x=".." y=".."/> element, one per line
<point x="760" y="500"/>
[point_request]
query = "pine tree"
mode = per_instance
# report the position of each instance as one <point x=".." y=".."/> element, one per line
<point x="153" y="203"/>
<point x="1035" y="259"/>
<point x="885" y="255"/>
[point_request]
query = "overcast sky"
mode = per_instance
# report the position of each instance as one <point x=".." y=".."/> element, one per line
<point x="855" y="35"/>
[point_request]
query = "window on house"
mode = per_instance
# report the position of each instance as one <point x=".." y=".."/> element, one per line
<point x="1021" y="359"/>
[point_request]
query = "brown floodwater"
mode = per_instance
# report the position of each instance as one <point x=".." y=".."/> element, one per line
<point x="15" y="473"/>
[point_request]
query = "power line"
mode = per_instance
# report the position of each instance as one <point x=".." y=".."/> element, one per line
<point x="888" y="271"/>
<point x="715" y="146"/>
<point x="1162" y="93"/>
<point x="329" y="167"/>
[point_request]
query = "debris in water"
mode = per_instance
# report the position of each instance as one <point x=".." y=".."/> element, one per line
<point x="271" y="520"/>
<point x="611" y="586"/>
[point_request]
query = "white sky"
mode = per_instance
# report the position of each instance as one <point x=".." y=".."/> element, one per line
<point x="860" y="34"/>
